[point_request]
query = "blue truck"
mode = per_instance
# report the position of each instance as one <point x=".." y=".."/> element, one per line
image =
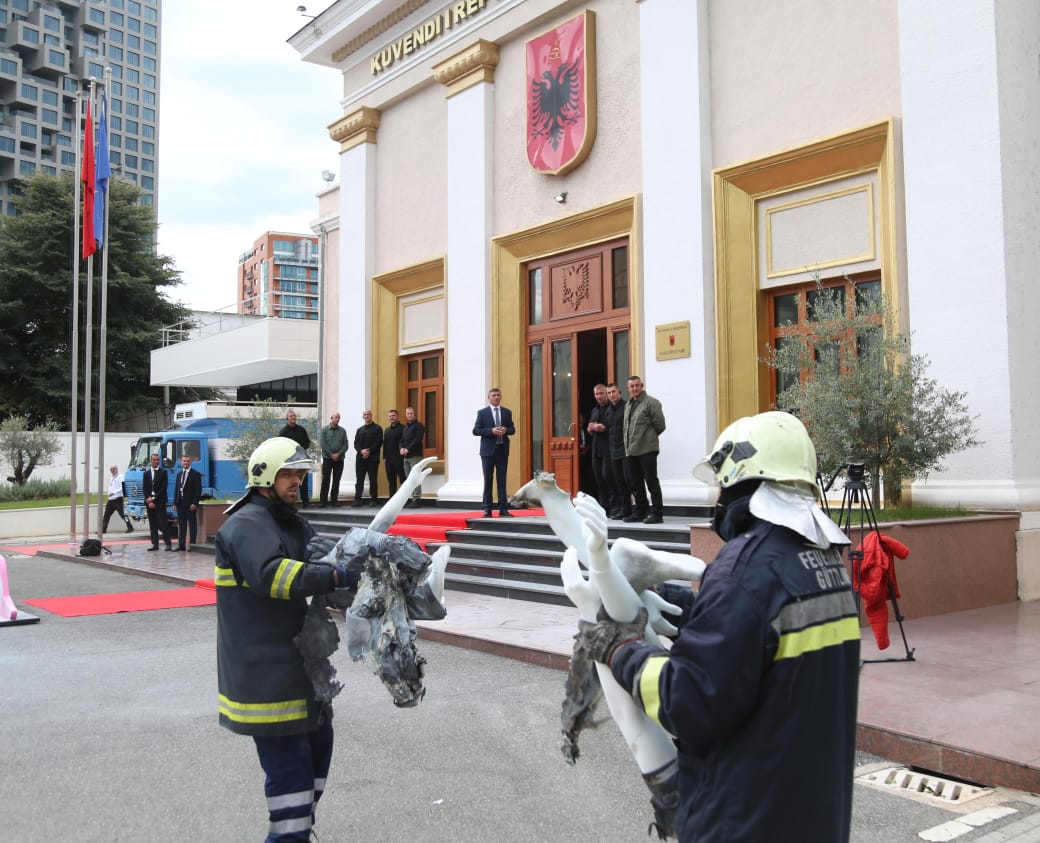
<point x="202" y="431"/>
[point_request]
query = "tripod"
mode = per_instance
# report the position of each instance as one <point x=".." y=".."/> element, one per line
<point x="856" y="493"/>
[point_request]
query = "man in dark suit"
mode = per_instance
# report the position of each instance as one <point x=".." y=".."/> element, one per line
<point x="188" y="491"/>
<point x="494" y="426"/>
<point x="155" y="497"/>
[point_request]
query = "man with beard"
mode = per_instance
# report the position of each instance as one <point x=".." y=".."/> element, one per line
<point x="263" y="580"/>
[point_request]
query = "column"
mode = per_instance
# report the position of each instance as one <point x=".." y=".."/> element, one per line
<point x="469" y="79"/>
<point x="678" y="270"/>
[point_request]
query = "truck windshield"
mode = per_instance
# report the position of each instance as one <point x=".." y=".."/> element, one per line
<point x="141" y="452"/>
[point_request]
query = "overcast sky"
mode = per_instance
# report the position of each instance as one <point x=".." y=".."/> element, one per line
<point x="242" y="136"/>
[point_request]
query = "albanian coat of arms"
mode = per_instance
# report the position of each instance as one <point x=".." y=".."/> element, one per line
<point x="561" y="95"/>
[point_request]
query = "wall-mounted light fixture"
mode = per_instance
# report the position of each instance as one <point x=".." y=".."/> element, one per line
<point x="328" y="175"/>
<point x="561" y="197"/>
<point x="303" y="11"/>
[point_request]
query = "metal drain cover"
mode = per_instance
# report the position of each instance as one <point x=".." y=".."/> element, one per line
<point x="926" y="785"/>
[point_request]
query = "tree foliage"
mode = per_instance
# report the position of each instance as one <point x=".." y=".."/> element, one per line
<point x="865" y="398"/>
<point x="23" y="447"/>
<point x="36" y="257"/>
<point x="264" y="420"/>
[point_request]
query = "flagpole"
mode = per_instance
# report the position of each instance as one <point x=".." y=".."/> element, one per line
<point x="103" y="176"/>
<point x="74" y="390"/>
<point x="88" y="360"/>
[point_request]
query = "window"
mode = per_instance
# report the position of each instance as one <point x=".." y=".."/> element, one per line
<point x="149" y="79"/>
<point x="130" y="161"/>
<point x="9" y="67"/>
<point x="424" y="390"/>
<point x="148" y="98"/>
<point x="115" y="53"/>
<point x="150" y="31"/>
<point x="150" y="65"/>
<point x="133" y="76"/>
<point x="130" y="144"/>
<point x="147" y="147"/>
<point x="68" y="159"/>
<point x="150" y="48"/>
<point x="115" y="36"/>
<point x="115" y="123"/>
<point x="792" y="309"/>
<point x="147" y="183"/>
<point x="133" y="59"/>
<point x="115" y="18"/>
<point x="49" y="97"/>
<point x="49" y="115"/>
<point x="51" y="24"/>
<point x="30" y="92"/>
<point x="7" y="145"/>
<point x="28" y="130"/>
<point x="31" y="35"/>
<point x="115" y="140"/>
<point x="131" y="109"/>
<point x="97" y="16"/>
<point x="132" y="93"/>
<point x="133" y="24"/>
<point x="117" y="88"/>
<point x="130" y="126"/>
<point x="133" y="42"/>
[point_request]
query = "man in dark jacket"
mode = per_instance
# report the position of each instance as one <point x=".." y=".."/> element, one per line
<point x="615" y="415"/>
<point x="263" y="580"/>
<point x="392" y="453"/>
<point x="333" y="441"/>
<point x="411" y="449"/>
<point x="600" y="434"/>
<point x="368" y="441"/>
<point x="644" y="423"/>
<point x="298" y="433"/>
<point x="760" y="686"/>
<point x="187" y="493"/>
<point x="156" y="494"/>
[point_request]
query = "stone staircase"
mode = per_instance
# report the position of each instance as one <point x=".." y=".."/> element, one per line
<point x="517" y="558"/>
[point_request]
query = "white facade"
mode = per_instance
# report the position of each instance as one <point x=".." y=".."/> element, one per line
<point x="912" y="123"/>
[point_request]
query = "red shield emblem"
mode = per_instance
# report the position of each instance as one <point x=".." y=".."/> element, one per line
<point x="561" y="95"/>
<point x="671" y="339"/>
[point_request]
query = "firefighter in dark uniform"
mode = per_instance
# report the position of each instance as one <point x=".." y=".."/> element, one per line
<point x="759" y="688"/>
<point x="263" y="580"/>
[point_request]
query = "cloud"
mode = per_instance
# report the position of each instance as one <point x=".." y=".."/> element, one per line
<point x="242" y="137"/>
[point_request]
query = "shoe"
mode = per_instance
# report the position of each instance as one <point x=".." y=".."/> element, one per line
<point x="322" y="505"/>
<point x="169" y="548"/>
<point x="487" y="513"/>
<point x="505" y="513"/>
<point x="615" y="515"/>
<point x="154" y="547"/>
<point x="180" y="548"/>
<point x="653" y="519"/>
<point x="129" y="527"/>
<point x="356" y="505"/>
<point x="635" y="516"/>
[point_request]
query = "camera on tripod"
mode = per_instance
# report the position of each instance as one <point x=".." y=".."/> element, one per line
<point x="855" y="471"/>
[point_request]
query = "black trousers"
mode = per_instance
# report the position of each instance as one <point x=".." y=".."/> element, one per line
<point x="159" y="522"/>
<point x="495" y="469"/>
<point x="187" y="523"/>
<point x="366" y="468"/>
<point x="331" y="472"/>
<point x="394" y="475"/>
<point x="622" y="485"/>
<point x="642" y="473"/>
<point x="113" y="505"/>
<point x="604" y="474"/>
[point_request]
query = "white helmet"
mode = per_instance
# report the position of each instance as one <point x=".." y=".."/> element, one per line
<point x="769" y="446"/>
<point x="271" y="456"/>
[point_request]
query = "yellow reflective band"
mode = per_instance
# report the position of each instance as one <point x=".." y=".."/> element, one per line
<point x="224" y="577"/>
<point x="271" y="712"/>
<point x="288" y="570"/>
<point x="795" y="644"/>
<point x="649" y="687"/>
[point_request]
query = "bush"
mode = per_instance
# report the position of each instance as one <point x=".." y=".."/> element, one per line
<point x="33" y="490"/>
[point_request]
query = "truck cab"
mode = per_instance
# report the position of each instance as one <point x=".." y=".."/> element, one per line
<point x="170" y="445"/>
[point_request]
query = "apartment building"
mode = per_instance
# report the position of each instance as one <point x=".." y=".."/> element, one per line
<point x="279" y="276"/>
<point x="48" y="53"/>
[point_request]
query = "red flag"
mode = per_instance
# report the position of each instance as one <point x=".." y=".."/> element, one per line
<point x="89" y="241"/>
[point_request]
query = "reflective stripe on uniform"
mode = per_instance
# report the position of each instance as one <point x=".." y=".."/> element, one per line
<point x="270" y="712"/>
<point x="288" y="570"/>
<point x="648" y="686"/>
<point x="290" y="800"/>
<point x="814" y="624"/>
<point x="224" y="577"/>
<point x="290" y="826"/>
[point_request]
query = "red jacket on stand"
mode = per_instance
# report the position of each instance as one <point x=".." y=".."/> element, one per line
<point x="877" y="572"/>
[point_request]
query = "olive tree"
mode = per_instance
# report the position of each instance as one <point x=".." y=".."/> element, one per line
<point x="865" y="397"/>
<point x="23" y="448"/>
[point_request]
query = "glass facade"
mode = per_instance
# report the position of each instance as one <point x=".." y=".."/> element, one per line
<point x="49" y="51"/>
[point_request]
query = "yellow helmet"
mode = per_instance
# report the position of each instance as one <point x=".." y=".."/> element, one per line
<point x="769" y="446"/>
<point x="271" y="456"/>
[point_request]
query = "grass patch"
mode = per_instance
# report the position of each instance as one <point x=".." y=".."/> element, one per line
<point x="40" y="503"/>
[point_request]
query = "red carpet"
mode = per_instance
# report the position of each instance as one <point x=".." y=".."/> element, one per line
<point x="129" y="601"/>
<point x="423" y="527"/>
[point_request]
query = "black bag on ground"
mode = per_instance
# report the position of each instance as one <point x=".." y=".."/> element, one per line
<point x="92" y="547"/>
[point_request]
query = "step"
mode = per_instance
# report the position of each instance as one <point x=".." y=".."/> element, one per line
<point x="510" y="589"/>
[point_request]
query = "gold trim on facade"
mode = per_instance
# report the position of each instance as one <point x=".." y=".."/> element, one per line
<point x="387" y="290"/>
<point x="467" y="68"/>
<point x="356" y="128"/>
<point x="377" y="29"/>
<point x="740" y="329"/>
<point x="509" y="253"/>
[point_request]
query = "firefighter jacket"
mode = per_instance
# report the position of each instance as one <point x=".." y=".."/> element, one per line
<point x="759" y="690"/>
<point x="876" y="580"/>
<point x="262" y="585"/>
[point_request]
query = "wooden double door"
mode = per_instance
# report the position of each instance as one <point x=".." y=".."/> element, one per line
<point x="577" y="337"/>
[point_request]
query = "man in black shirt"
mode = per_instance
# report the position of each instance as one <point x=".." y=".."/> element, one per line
<point x="368" y="440"/>
<point x="411" y="449"/>
<point x="298" y="433"/>
<point x="392" y="453"/>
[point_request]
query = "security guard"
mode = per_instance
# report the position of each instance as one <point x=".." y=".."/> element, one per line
<point x="760" y="686"/>
<point x="263" y="580"/>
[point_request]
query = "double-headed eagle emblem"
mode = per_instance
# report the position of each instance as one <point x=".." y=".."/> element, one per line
<point x="554" y="102"/>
